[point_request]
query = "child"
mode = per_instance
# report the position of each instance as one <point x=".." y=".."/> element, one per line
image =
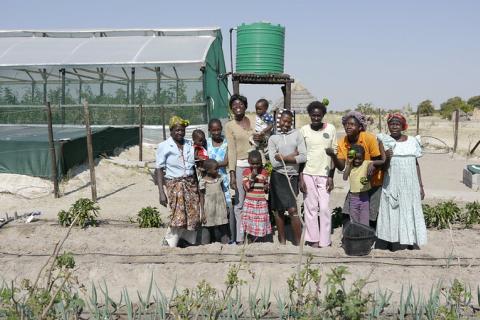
<point x="217" y="148"/>
<point x="359" y="171"/>
<point x="213" y="202"/>
<point x="263" y="124"/>
<point x="200" y="151"/>
<point x="255" y="219"/>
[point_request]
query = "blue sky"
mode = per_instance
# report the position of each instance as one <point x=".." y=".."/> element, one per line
<point x="384" y="52"/>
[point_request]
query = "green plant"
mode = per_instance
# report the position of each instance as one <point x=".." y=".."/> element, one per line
<point x="85" y="209"/>
<point x="471" y="214"/>
<point x="66" y="261"/>
<point x="340" y="303"/>
<point x="441" y="216"/>
<point x="149" y="217"/>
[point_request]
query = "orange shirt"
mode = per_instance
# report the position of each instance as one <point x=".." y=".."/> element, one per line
<point x="369" y="142"/>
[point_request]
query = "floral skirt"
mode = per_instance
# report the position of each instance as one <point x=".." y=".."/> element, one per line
<point x="255" y="218"/>
<point x="184" y="202"/>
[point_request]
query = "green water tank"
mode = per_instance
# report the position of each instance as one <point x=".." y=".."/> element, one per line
<point x="260" y="48"/>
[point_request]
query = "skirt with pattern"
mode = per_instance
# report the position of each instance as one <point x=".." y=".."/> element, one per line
<point x="255" y="218"/>
<point x="184" y="202"/>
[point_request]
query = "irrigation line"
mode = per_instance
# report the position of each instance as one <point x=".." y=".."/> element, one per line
<point x="219" y="255"/>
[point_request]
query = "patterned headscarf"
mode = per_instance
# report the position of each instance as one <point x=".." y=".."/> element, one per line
<point x="177" y="121"/>
<point x="360" y="117"/>
<point x="399" y="117"/>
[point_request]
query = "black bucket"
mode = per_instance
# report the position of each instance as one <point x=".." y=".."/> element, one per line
<point x="358" y="239"/>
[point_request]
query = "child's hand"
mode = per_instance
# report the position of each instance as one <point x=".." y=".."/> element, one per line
<point x="370" y="169"/>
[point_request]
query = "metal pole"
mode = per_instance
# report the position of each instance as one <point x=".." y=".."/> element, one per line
<point x="140" y="134"/>
<point x="33" y="92"/>
<point x="418" y="121"/>
<point x="91" y="163"/>
<point x="80" y="91"/>
<point x="455" y="134"/>
<point x="132" y="93"/>
<point x="44" y="76"/>
<point x="236" y="86"/>
<point x="101" y="82"/>
<point x="53" y="158"/>
<point x="63" y="96"/>
<point x="159" y="78"/>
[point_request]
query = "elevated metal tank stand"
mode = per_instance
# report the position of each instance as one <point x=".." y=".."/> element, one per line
<point x="275" y="78"/>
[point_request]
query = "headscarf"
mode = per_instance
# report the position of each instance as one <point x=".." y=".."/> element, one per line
<point x="399" y="117"/>
<point x="177" y="121"/>
<point x="360" y="117"/>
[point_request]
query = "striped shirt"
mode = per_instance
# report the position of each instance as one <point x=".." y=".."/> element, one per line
<point x="255" y="190"/>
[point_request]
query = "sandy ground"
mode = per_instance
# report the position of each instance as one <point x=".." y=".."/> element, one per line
<point x="125" y="256"/>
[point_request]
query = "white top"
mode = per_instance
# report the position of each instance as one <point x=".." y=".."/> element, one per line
<point x="318" y="162"/>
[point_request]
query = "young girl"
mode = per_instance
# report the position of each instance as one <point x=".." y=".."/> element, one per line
<point x="359" y="171"/>
<point x="255" y="218"/>
<point x="213" y="202"/>
<point x="286" y="151"/>
<point x="217" y="148"/>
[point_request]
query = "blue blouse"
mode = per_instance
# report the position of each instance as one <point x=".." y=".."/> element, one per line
<point x="175" y="164"/>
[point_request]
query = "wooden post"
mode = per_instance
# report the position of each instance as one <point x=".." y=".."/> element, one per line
<point x="63" y="95"/>
<point x="287" y="102"/>
<point x="418" y="121"/>
<point x="91" y="163"/>
<point x="236" y="87"/>
<point x="379" y="120"/>
<point x="140" y="133"/>
<point x="455" y="132"/>
<point x="53" y="158"/>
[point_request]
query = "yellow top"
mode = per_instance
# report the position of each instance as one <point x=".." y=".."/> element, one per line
<point x="318" y="162"/>
<point x="357" y="175"/>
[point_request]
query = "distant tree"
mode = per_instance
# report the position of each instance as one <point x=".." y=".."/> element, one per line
<point x="8" y="96"/>
<point x="366" y="108"/>
<point x="451" y="105"/>
<point x="474" y="102"/>
<point x="198" y="96"/>
<point x="426" y="108"/>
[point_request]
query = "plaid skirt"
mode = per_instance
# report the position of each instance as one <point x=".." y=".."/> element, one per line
<point x="184" y="202"/>
<point x="255" y="218"/>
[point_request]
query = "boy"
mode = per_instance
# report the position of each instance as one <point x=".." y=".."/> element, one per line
<point x="263" y="125"/>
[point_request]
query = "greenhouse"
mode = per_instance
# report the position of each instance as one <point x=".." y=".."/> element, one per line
<point x="167" y="71"/>
<point x="119" y="73"/>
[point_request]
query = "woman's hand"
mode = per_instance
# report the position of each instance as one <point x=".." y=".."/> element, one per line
<point x="163" y="199"/>
<point x="302" y="185"/>
<point x="330" y="185"/>
<point x="389" y="154"/>
<point x="422" y="193"/>
<point x="278" y="157"/>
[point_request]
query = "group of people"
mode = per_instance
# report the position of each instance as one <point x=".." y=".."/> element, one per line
<point x="222" y="183"/>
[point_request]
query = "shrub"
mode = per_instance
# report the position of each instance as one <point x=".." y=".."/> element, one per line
<point x="442" y="215"/>
<point x="85" y="209"/>
<point x="149" y="217"/>
<point x="471" y="215"/>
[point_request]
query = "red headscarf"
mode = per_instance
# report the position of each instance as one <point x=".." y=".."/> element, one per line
<point x="399" y="117"/>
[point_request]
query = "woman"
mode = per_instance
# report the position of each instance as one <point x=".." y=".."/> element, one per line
<point x="238" y="132"/>
<point x="286" y="152"/>
<point x="355" y="125"/>
<point x="401" y="217"/>
<point x="316" y="180"/>
<point x="175" y="166"/>
<point x="217" y="149"/>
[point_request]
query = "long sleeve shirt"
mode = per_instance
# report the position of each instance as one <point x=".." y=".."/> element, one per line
<point x="286" y="144"/>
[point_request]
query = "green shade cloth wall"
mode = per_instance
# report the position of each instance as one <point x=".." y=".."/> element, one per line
<point x="25" y="150"/>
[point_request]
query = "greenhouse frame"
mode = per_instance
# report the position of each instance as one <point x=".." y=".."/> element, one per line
<point x="168" y="71"/>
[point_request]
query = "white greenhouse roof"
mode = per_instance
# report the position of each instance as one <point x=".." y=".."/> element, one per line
<point x="24" y="53"/>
